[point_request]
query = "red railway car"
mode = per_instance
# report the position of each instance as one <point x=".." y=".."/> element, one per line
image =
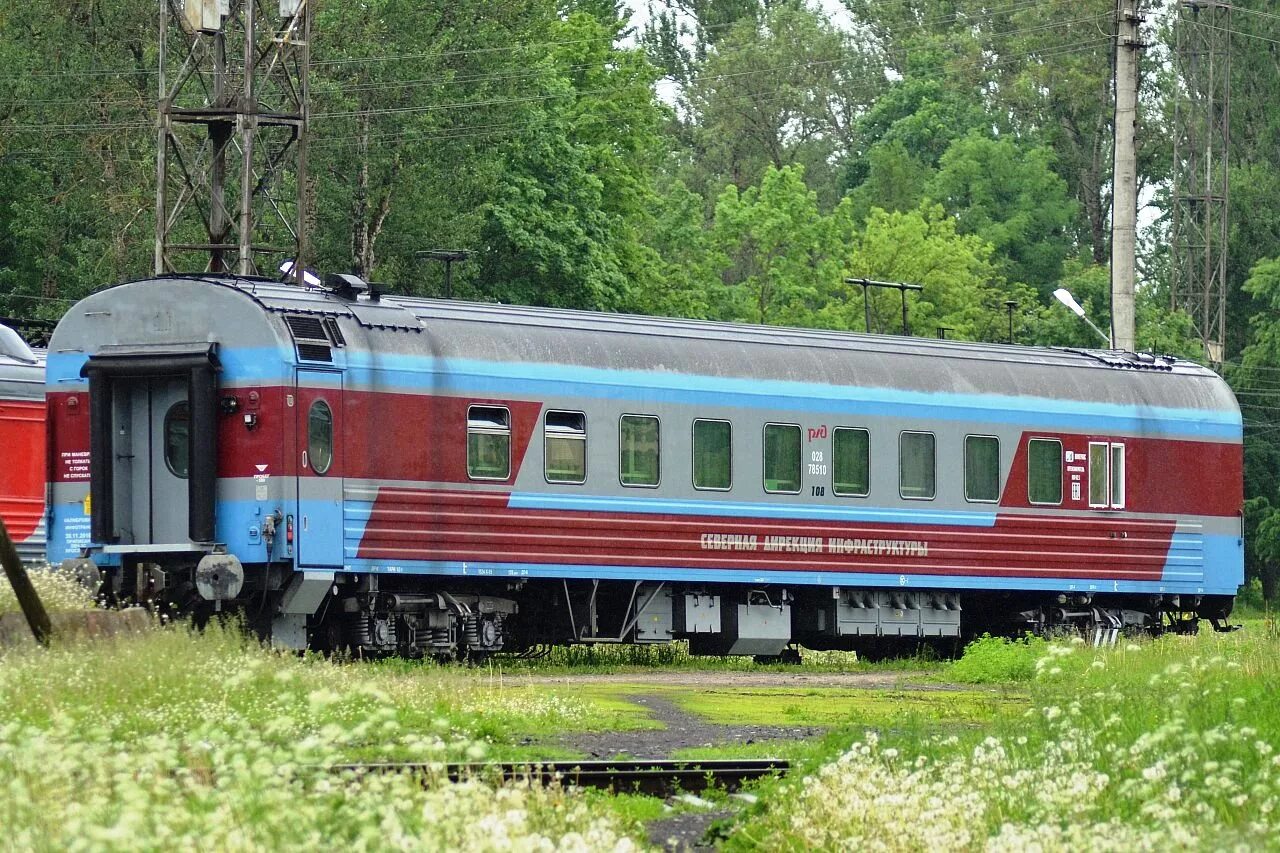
<point x="22" y="437"/>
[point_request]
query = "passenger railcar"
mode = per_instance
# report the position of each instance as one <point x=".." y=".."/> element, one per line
<point x="22" y="445"/>
<point x="360" y="470"/>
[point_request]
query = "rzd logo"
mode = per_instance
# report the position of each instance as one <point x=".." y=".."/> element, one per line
<point x="817" y="432"/>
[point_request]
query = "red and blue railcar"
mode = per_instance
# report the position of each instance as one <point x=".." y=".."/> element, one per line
<point x="412" y="476"/>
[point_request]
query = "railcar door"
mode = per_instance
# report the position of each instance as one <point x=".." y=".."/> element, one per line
<point x="320" y="525"/>
<point x="152" y="459"/>
<point x="170" y="460"/>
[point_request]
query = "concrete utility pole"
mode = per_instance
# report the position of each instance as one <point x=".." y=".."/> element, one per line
<point x="223" y="118"/>
<point x="1124" y="175"/>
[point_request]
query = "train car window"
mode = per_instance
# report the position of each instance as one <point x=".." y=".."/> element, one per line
<point x="1044" y="471"/>
<point x="177" y="439"/>
<point x="1098" y="487"/>
<point x="782" y="458"/>
<point x="564" y="447"/>
<point x="1117" y="476"/>
<point x="851" y="458"/>
<point x="712" y="455"/>
<point x="488" y="442"/>
<point x="320" y="436"/>
<point x="638" y="450"/>
<point x="981" y="468"/>
<point x="917" y="472"/>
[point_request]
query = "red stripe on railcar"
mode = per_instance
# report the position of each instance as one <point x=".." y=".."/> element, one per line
<point x="410" y="524"/>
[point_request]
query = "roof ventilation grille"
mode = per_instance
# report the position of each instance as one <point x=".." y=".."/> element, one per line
<point x="309" y="334"/>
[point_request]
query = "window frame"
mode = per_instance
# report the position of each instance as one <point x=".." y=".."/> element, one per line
<point x="311" y="456"/>
<point x="168" y="419"/>
<point x="1111" y="475"/>
<point x="968" y="499"/>
<point x="582" y="438"/>
<point x="764" y="444"/>
<point x="693" y="454"/>
<point x="1058" y="442"/>
<point x="834" y="488"/>
<point x="1106" y="474"/>
<point x="657" y="420"/>
<point x="488" y="431"/>
<point x="934" y="437"/>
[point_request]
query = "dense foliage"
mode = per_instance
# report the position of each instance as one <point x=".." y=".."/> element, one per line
<point x="722" y="159"/>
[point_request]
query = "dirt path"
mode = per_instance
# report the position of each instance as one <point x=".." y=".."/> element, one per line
<point x="682" y="731"/>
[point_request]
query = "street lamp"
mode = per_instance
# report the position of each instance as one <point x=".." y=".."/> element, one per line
<point x="1009" y="305"/>
<point x="1064" y="296"/>
<point x="290" y="270"/>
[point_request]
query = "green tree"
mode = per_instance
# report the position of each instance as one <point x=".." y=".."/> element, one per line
<point x="895" y="179"/>
<point x="77" y="155"/>
<point x="963" y="290"/>
<point x="920" y="118"/>
<point x="1011" y="198"/>
<point x="780" y="259"/>
<point x="779" y="91"/>
<point x="402" y="155"/>
<point x="564" y="227"/>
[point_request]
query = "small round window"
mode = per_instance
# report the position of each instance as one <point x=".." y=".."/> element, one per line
<point x="320" y="436"/>
<point x="177" y="439"/>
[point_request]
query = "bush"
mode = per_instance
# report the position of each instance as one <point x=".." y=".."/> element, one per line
<point x="990" y="660"/>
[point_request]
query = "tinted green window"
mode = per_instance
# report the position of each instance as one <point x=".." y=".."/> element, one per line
<point x="638" y="450"/>
<point x="177" y="439"/>
<point x="320" y="436"/>
<point x="712" y="455"/>
<point x="565" y="447"/>
<point x="781" y="458"/>
<point x="852" y="451"/>
<point x="981" y="468"/>
<point x="1097" y="475"/>
<point x="916" y="477"/>
<point x="1044" y="471"/>
<point x="488" y="443"/>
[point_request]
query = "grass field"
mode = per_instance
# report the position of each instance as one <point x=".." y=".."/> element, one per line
<point x="1165" y="744"/>
<point x="178" y="739"/>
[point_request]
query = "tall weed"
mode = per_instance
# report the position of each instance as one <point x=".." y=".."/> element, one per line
<point x="995" y="660"/>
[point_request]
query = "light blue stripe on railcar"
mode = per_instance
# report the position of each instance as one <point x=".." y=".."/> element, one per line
<point x="265" y="365"/>
<point x="749" y="510"/>
<point x="404" y="373"/>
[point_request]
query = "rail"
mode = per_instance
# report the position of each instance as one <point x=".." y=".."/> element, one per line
<point x="658" y="777"/>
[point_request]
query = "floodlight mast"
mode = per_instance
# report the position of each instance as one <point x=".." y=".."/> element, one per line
<point x="1064" y="296"/>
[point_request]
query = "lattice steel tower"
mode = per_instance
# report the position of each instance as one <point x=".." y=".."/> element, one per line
<point x="231" y="154"/>
<point x="1201" y="142"/>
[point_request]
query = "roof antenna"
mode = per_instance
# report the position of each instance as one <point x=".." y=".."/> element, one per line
<point x="894" y="285"/>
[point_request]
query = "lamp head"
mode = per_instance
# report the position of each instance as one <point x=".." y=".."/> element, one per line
<point x="1064" y="296"/>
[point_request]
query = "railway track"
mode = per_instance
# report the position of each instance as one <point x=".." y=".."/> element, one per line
<point x="658" y="777"/>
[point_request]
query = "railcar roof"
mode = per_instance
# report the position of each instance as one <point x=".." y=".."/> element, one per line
<point x="620" y="342"/>
<point x="22" y="380"/>
<point x="285" y="297"/>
